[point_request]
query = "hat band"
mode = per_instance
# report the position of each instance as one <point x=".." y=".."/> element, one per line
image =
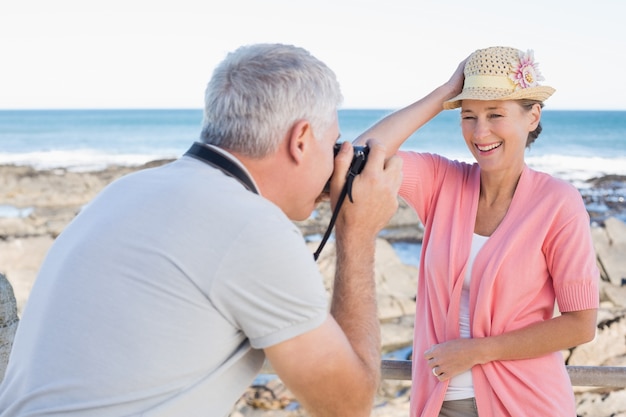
<point x="488" y="81"/>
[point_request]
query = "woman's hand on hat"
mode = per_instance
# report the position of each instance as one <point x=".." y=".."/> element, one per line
<point x="455" y="83"/>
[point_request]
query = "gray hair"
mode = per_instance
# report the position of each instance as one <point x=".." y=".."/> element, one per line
<point x="259" y="91"/>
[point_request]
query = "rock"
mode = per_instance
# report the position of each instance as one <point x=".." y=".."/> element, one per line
<point x="404" y="225"/>
<point x="610" y="245"/>
<point x="593" y="404"/>
<point x="613" y="294"/>
<point x="609" y="343"/>
<point x="396" y="284"/>
<point x="397" y="334"/>
<point x="8" y="322"/>
<point x="605" y="197"/>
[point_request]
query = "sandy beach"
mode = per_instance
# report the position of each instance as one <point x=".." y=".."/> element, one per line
<point x="43" y="202"/>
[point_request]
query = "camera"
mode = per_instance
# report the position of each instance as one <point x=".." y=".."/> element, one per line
<point x="358" y="161"/>
<point x="356" y="166"/>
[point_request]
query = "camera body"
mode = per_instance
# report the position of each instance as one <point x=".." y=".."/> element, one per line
<point x="358" y="161"/>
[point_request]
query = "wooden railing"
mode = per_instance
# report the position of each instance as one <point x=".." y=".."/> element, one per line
<point x="589" y="376"/>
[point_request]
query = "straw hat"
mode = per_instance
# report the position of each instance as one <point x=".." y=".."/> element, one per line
<point x="501" y="73"/>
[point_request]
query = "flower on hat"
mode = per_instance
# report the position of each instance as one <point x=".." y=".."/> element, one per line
<point x="525" y="73"/>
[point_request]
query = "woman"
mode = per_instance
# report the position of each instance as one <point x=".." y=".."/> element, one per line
<point x="501" y="243"/>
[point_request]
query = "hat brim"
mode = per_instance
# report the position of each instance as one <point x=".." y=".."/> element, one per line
<point x="539" y="93"/>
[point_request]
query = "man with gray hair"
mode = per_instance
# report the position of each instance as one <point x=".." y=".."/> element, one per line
<point x="165" y="295"/>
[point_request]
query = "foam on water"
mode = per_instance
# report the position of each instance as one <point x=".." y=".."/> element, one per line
<point x="577" y="169"/>
<point x="79" y="160"/>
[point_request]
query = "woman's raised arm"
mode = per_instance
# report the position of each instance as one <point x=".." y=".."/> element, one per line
<point x="395" y="128"/>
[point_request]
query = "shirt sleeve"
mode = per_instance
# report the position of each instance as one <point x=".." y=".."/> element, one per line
<point x="273" y="290"/>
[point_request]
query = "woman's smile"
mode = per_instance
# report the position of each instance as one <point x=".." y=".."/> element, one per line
<point x="488" y="147"/>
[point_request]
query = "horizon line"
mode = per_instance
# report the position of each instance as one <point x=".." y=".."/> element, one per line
<point x="200" y="109"/>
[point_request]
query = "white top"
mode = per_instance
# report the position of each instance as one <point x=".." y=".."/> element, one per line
<point x="462" y="386"/>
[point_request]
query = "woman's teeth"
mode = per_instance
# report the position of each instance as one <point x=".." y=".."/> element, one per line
<point x="487" y="148"/>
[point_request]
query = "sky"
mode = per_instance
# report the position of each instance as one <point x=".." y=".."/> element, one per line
<point x="93" y="54"/>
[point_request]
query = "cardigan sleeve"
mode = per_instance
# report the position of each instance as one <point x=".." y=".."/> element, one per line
<point x="423" y="175"/>
<point x="570" y="255"/>
<point x="417" y="180"/>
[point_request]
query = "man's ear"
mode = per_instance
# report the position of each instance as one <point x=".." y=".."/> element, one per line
<point x="298" y="139"/>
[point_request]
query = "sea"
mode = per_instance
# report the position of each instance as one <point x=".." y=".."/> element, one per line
<point x="574" y="145"/>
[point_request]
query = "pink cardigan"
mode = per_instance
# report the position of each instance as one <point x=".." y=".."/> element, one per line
<point x="541" y="251"/>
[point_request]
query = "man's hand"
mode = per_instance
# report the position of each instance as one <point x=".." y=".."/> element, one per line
<point x="374" y="190"/>
<point x="334" y="370"/>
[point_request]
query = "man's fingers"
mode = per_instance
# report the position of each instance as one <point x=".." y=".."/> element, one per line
<point x="342" y="163"/>
<point x="376" y="156"/>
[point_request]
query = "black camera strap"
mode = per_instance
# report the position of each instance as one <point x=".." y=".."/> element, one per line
<point x="346" y="191"/>
<point x="217" y="160"/>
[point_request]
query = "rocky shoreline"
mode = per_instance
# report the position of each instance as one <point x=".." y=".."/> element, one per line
<point x="42" y="202"/>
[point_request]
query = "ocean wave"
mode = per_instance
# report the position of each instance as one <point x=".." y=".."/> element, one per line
<point x="576" y="169"/>
<point x="80" y="160"/>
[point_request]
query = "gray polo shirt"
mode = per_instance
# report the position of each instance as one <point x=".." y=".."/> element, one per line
<point x="158" y="297"/>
